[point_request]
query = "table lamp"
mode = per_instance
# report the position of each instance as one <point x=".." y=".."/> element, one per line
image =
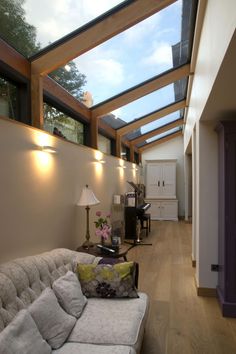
<point x="87" y="198"/>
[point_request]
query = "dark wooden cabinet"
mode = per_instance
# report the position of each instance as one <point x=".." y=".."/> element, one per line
<point x="226" y="288"/>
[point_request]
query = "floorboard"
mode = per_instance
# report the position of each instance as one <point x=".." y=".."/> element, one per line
<point x="179" y="321"/>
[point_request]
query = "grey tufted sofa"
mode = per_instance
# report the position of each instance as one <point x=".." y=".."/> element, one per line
<point x="106" y="325"/>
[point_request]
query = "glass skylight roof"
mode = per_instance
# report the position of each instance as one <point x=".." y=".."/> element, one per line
<point x="143" y="51"/>
<point x="160" y="122"/>
<point x="154" y="125"/>
<point x="147" y="104"/>
<point x="159" y="136"/>
<point x="159" y="43"/>
<point x="51" y="20"/>
<point x="133" y="56"/>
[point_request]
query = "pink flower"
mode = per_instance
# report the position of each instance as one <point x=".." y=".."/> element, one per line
<point x="103" y="229"/>
<point x="98" y="232"/>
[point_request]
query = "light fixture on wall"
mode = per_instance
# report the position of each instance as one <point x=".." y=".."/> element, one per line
<point x="99" y="157"/>
<point x="100" y="161"/>
<point x="87" y="199"/>
<point x="47" y="148"/>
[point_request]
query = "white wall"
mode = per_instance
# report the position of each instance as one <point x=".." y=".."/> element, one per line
<point x="207" y="204"/>
<point x="194" y="196"/>
<point x="218" y="29"/>
<point x="39" y="191"/>
<point x="211" y="74"/>
<point x="172" y="149"/>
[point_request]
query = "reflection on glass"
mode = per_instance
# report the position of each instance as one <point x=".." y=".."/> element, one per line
<point x="8" y="99"/>
<point x="124" y="152"/>
<point x="136" y="158"/>
<point x="104" y="144"/>
<point x="70" y="79"/>
<point x="60" y="124"/>
<point x="147" y="104"/>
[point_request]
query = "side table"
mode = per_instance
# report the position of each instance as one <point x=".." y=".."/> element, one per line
<point x="121" y="252"/>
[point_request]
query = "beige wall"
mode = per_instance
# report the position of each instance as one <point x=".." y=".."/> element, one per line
<point x="39" y="190"/>
<point x="172" y="149"/>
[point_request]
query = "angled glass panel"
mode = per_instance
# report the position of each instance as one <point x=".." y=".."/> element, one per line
<point x="104" y="144"/>
<point x="59" y="124"/>
<point x="157" y="44"/>
<point x="154" y="125"/>
<point x="159" y="136"/>
<point x="147" y="104"/>
<point x="135" y="55"/>
<point x="31" y="25"/>
<point x="160" y="122"/>
<point x="8" y="99"/>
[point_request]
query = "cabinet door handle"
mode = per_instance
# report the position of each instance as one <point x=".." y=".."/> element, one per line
<point x="158" y="183"/>
<point x="163" y="183"/>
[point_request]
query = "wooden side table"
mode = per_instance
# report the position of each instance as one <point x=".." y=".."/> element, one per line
<point x="121" y="253"/>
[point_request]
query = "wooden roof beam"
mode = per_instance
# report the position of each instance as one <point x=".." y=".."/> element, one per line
<point x="160" y="141"/>
<point x="9" y="56"/>
<point x="140" y="90"/>
<point x="56" y="90"/>
<point x="151" y="117"/>
<point x="95" y="33"/>
<point x="157" y="131"/>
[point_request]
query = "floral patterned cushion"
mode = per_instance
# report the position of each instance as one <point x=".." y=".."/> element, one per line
<point x="108" y="281"/>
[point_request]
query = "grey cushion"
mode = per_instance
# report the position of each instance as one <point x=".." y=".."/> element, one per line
<point x="81" y="348"/>
<point x="21" y="336"/>
<point x="111" y="321"/>
<point x="53" y="322"/>
<point x="69" y="294"/>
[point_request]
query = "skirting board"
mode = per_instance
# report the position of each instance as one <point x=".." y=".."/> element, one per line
<point x="207" y="292"/>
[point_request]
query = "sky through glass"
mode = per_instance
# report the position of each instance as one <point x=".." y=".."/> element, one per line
<point x="133" y="56"/>
<point x="55" y="19"/>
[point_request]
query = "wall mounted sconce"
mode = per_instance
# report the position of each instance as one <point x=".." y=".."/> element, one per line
<point x="47" y="148"/>
<point x="100" y="161"/>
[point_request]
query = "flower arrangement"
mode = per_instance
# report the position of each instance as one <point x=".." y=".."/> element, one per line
<point x="103" y="229"/>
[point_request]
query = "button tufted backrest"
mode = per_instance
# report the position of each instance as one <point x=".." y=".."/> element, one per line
<point x="23" y="280"/>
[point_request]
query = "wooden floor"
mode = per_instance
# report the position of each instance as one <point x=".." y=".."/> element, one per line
<point x="179" y="322"/>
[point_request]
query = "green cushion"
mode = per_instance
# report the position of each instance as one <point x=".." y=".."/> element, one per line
<point x="108" y="281"/>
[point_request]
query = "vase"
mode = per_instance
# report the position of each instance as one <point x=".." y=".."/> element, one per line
<point x="102" y="241"/>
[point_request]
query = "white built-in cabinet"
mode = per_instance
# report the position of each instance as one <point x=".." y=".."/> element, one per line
<point x="161" y="189"/>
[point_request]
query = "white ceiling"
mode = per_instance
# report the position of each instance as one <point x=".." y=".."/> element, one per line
<point x="221" y="104"/>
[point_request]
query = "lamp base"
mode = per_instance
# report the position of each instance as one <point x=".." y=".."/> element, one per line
<point x="87" y="244"/>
